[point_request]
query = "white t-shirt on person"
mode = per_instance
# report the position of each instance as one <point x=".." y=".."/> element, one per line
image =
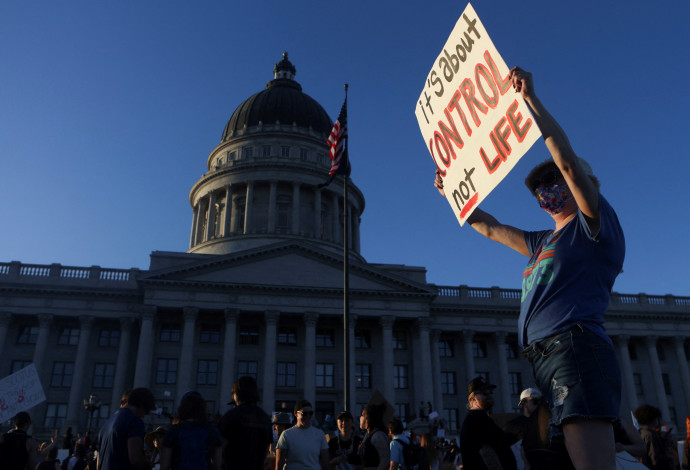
<point x="303" y="447"/>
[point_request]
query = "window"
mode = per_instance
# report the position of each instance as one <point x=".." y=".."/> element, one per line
<point x="363" y="375"/>
<point x="239" y="214"/>
<point x="247" y="152"/>
<point x="399" y="339"/>
<point x="284" y="151"/>
<point x="448" y="383"/>
<point x="632" y="351"/>
<point x="660" y="352"/>
<point x="170" y="333"/>
<point x="637" y="379"/>
<point x="667" y="383"/>
<point x="451" y="417"/>
<point x="324" y="375"/>
<point x="100" y="416"/>
<point x="286" y="374"/>
<point x="303" y="155"/>
<point x="18" y="365"/>
<point x="266" y="151"/>
<point x="103" y="375"/>
<point x="247" y="368"/>
<point x="28" y="335"/>
<point x="109" y="338"/>
<point x="69" y="336"/>
<point x="400" y="376"/>
<point x="287" y="336"/>
<point x="672" y="414"/>
<point x="209" y="335"/>
<point x="62" y="374"/>
<point x="207" y="372"/>
<point x="362" y="339"/>
<point x="324" y="339"/>
<point x="283" y="206"/>
<point x="231" y="155"/>
<point x="512" y="350"/>
<point x="402" y="410"/>
<point x="166" y="371"/>
<point x="249" y="335"/>
<point x="445" y="348"/>
<point x="55" y="415"/>
<point x="479" y="349"/>
<point x="515" y="383"/>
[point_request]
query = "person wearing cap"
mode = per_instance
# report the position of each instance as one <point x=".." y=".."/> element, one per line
<point x="566" y="289"/>
<point x="302" y="447"/>
<point x="481" y="440"/>
<point x="154" y="441"/>
<point x="342" y="449"/>
<point x="121" y="439"/>
<point x="246" y="429"/>
<point x="280" y="421"/>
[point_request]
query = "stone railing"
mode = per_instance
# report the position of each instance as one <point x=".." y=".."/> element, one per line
<point x="617" y="300"/>
<point x="16" y="271"/>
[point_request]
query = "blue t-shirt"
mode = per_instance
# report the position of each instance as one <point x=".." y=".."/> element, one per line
<point x="113" y="437"/>
<point x="569" y="276"/>
<point x="397" y="450"/>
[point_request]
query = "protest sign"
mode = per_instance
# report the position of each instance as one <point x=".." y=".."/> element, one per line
<point x="20" y="391"/>
<point x="475" y="125"/>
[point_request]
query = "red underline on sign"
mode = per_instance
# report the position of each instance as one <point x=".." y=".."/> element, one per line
<point x="470" y="204"/>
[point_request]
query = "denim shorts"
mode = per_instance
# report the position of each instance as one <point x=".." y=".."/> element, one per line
<point x="579" y="375"/>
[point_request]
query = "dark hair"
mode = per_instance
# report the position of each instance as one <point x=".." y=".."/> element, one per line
<point x="192" y="406"/>
<point x="375" y="416"/>
<point x="395" y="426"/>
<point x="142" y="398"/>
<point x="246" y="390"/>
<point x="647" y="414"/>
<point x="52" y="453"/>
<point x="22" y="419"/>
<point x="301" y="404"/>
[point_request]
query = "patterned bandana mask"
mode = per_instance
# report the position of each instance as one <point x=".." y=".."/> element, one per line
<point x="553" y="198"/>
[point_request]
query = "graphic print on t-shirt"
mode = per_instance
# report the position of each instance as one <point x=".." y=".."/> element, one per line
<point x="539" y="270"/>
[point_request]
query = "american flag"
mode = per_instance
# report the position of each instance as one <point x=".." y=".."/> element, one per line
<point x="337" y="141"/>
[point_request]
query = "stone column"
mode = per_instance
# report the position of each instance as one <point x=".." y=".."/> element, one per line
<point x="202" y="204"/>
<point x="309" y="369"/>
<point x="228" y="211"/>
<point x="655" y="369"/>
<point x="5" y="319"/>
<point x="425" y="357"/>
<point x="78" y="386"/>
<point x="386" y="372"/>
<point x="679" y="343"/>
<point x="185" y="373"/>
<point x="248" y="207"/>
<point x="503" y="385"/>
<point x="227" y="376"/>
<point x="272" y="200"/>
<point x="467" y="336"/>
<point x="122" y="362"/>
<point x="317" y="213"/>
<point x="436" y="371"/>
<point x="295" y="208"/>
<point x="195" y="220"/>
<point x="337" y="233"/>
<point x="269" y="382"/>
<point x="142" y="372"/>
<point x="44" y="322"/>
<point x="626" y="370"/>
<point x="210" y="230"/>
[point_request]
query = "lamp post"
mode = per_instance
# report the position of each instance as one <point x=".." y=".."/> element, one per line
<point x="92" y="405"/>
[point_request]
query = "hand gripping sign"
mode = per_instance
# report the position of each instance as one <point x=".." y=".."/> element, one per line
<point x="475" y="125"/>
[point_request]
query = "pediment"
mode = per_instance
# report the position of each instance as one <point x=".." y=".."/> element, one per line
<point x="286" y="265"/>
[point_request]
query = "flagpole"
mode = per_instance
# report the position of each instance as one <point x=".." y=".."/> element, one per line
<point x="346" y="279"/>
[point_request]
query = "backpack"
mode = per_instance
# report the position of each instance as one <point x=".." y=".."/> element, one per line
<point x="414" y="456"/>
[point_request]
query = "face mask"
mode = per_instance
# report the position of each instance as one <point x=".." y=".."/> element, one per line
<point x="553" y="198"/>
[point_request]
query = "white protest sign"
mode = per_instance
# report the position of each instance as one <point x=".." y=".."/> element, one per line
<point x="20" y="391"/>
<point x="475" y="125"/>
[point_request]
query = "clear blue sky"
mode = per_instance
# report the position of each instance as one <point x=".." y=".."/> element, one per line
<point x="108" y="111"/>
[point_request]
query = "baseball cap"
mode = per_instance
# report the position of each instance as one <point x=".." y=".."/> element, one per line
<point x="344" y="415"/>
<point x="479" y="384"/>
<point x="529" y="393"/>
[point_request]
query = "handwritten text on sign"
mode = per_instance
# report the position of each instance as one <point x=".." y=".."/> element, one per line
<point x="20" y="391"/>
<point x="475" y="125"/>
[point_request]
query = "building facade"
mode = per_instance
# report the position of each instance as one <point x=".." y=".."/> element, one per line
<point x="259" y="292"/>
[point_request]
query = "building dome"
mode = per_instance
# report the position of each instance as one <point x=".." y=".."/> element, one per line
<point x="282" y="101"/>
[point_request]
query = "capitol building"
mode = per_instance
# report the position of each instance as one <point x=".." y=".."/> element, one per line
<point x="259" y="292"/>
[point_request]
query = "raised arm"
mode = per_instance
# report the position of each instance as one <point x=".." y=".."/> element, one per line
<point x="487" y="225"/>
<point x="582" y="187"/>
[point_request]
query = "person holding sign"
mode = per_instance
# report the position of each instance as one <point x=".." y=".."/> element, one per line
<point x="566" y="289"/>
